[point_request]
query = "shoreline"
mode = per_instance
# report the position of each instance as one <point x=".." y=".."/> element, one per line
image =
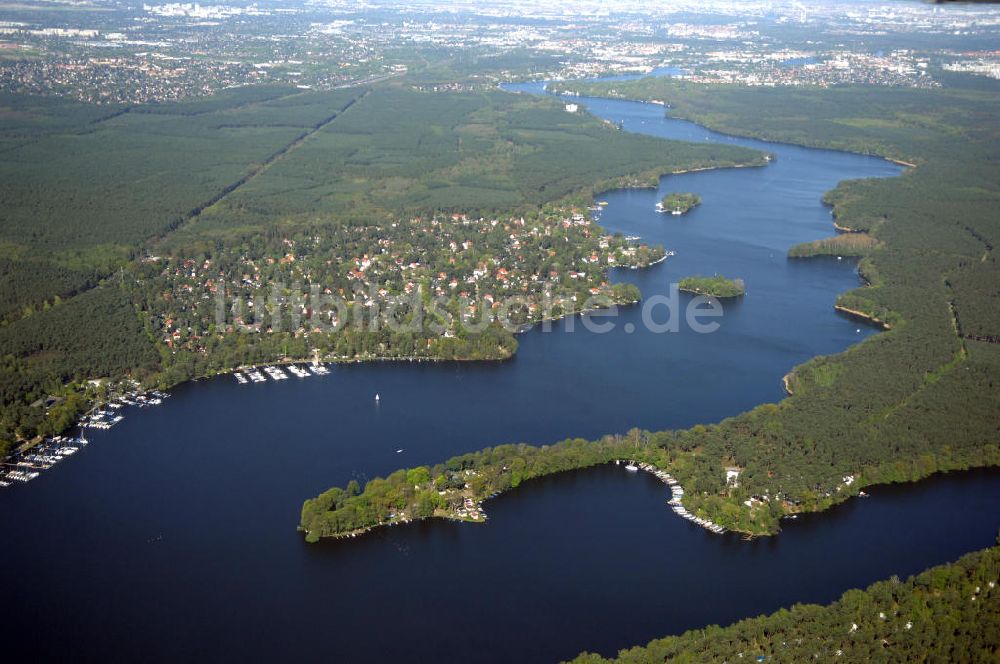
<point x="838" y="498"/>
<point x="676" y="496"/>
<point x="845" y="229"/>
<point x="97" y="404"/>
<point x="901" y="162"/>
<point x="725" y="131"/>
<point x="863" y="316"/>
<point x="675" y="502"/>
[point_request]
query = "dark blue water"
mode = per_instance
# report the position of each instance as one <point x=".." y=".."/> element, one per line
<point x="173" y="535"/>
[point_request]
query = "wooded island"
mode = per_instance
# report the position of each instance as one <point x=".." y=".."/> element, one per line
<point x="678" y="203"/>
<point x="715" y="286"/>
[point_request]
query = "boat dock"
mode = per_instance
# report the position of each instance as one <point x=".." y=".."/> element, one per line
<point x="275" y="373"/>
<point x="28" y="465"/>
<point x="257" y="375"/>
<point x="39" y="455"/>
<point x="676" y="496"/>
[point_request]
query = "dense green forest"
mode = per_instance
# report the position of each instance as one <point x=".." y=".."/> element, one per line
<point x="714" y="286"/>
<point x="400" y="150"/>
<point x="949" y="613"/>
<point x="57" y="350"/>
<point x="919" y="398"/>
<point x="165" y="205"/>
<point x="81" y="192"/>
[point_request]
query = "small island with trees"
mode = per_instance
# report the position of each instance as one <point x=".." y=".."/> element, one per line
<point x="678" y="203"/>
<point x="716" y="286"/>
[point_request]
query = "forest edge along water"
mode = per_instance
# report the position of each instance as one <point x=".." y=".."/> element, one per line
<point x="174" y="528"/>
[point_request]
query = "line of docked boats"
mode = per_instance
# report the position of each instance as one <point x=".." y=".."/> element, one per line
<point x="28" y="465"/>
<point x="676" y="495"/>
<point x="101" y="419"/>
<point x="105" y="419"/>
<point x="256" y="375"/>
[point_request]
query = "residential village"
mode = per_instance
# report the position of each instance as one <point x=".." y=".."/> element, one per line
<point x="524" y="269"/>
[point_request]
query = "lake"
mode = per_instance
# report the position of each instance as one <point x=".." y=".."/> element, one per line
<point x="173" y="535"/>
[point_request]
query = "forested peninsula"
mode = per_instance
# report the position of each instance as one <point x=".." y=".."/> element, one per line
<point x="950" y="613"/>
<point x="921" y="398"/>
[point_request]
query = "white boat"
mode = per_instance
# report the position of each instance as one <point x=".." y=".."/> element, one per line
<point x="631" y="467"/>
<point x="377" y="397"/>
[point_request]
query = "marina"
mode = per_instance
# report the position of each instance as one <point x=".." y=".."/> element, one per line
<point x="256" y="375"/>
<point x="28" y="465"/>
<point x="98" y="418"/>
<point x="40" y="455"/>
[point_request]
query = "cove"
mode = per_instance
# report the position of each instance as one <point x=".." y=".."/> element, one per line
<point x="173" y="535"/>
